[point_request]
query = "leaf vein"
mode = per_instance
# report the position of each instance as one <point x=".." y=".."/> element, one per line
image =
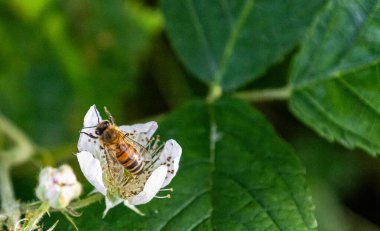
<point x="359" y="29"/>
<point x="183" y="207"/>
<point x="316" y="51"/>
<point x="226" y="9"/>
<point x="241" y="208"/>
<point x="256" y="198"/>
<point x="280" y="175"/>
<point x="231" y="41"/>
<point x="336" y="74"/>
<point x="201" y="35"/>
<point x="329" y="117"/>
<point x="340" y="56"/>
<point x="355" y="93"/>
<point x="201" y="221"/>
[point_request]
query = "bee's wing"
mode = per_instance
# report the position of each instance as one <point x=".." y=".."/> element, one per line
<point x="118" y="179"/>
<point x="129" y="139"/>
<point x="134" y="186"/>
<point x="140" y="132"/>
<point x="113" y="171"/>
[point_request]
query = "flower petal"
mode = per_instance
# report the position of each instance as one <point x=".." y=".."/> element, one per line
<point x="110" y="203"/>
<point x="152" y="186"/>
<point x="170" y="156"/>
<point x="141" y="132"/>
<point x="58" y="186"/>
<point x="85" y="142"/>
<point x="89" y="144"/>
<point x="92" y="170"/>
<point x="92" y="117"/>
<point x="133" y="208"/>
<point x="66" y="175"/>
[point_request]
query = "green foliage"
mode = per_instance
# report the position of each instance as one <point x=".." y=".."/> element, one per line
<point x="75" y="54"/>
<point x="224" y="173"/>
<point x="236" y="173"/>
<point x="233" y="42"/>
<point x="335" y="79"/>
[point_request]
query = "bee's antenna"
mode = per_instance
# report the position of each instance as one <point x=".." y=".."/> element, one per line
<point x="110" y="117"/>
<point x="89" y="134"/>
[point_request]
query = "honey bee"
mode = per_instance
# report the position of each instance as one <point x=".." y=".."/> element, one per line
<point x="118" y="145"/>
<point x="126" y="164"/>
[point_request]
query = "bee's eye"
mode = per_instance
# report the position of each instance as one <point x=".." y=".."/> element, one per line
<point x="97" y="132"/>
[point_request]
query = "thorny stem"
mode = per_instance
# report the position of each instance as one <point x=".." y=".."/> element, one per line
<point x="9" y="205"/>
<point x="22" y="150"/>
<point x="86" y="201"/>
<point x="37" y="216"/>
<point x="282" y="93"/>
<point x="74" y="205"/>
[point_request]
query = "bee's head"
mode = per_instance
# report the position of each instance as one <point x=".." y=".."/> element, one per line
<point x="102" y="126"/>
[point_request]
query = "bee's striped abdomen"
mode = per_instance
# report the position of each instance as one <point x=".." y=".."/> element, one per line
<point x="128" y="156"/>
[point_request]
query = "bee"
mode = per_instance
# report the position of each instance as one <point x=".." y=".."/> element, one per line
<point x="126" y="163"/>
<point x="119" y="146"/>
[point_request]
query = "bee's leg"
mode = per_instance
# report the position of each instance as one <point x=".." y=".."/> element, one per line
<point x="89" y="134"/>
<point x="125" y="181"/>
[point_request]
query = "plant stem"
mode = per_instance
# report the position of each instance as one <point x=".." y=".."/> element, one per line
<point x="74" y="205"/>
<point x="25" y="207"/>
<point x="282" y="93"/>
<point x="37" y="213"/>
<point x="37" y="216"/>
<point x="215" y="92"/>
<point x="86" y="201"/>
<point x="9" y="205"/>
<point x="23" y="148"/>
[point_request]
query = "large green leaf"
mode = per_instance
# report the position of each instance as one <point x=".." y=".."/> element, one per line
<point x="233" y="42"/>
<point x="335" y="80"/>
<point x="235" y="174"/>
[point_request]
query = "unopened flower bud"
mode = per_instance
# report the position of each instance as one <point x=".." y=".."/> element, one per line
<point x="58" y="186"/>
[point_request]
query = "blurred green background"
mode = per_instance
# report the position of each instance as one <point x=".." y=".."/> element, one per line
<point x="57" y="58"/>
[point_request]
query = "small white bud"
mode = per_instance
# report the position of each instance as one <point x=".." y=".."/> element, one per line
<point x="58" y="186"/>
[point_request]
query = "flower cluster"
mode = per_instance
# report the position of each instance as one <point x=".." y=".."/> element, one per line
<point x="111" y="179"/>
<point x="58" y="186"/>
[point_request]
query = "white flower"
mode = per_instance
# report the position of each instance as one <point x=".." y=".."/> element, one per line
<point x="58" y="186"/>
<point x="159" y="168"/>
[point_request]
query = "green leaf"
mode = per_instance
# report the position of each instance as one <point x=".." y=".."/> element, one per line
<point x="235" y="174"/>
<point x="335" y="78"/>
<point x="233" y="42"/>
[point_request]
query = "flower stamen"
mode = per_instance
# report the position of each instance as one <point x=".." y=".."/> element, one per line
<point x="18" y="224"/>
<point x="163" y="197"/>
<point x="167" y="189"/>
